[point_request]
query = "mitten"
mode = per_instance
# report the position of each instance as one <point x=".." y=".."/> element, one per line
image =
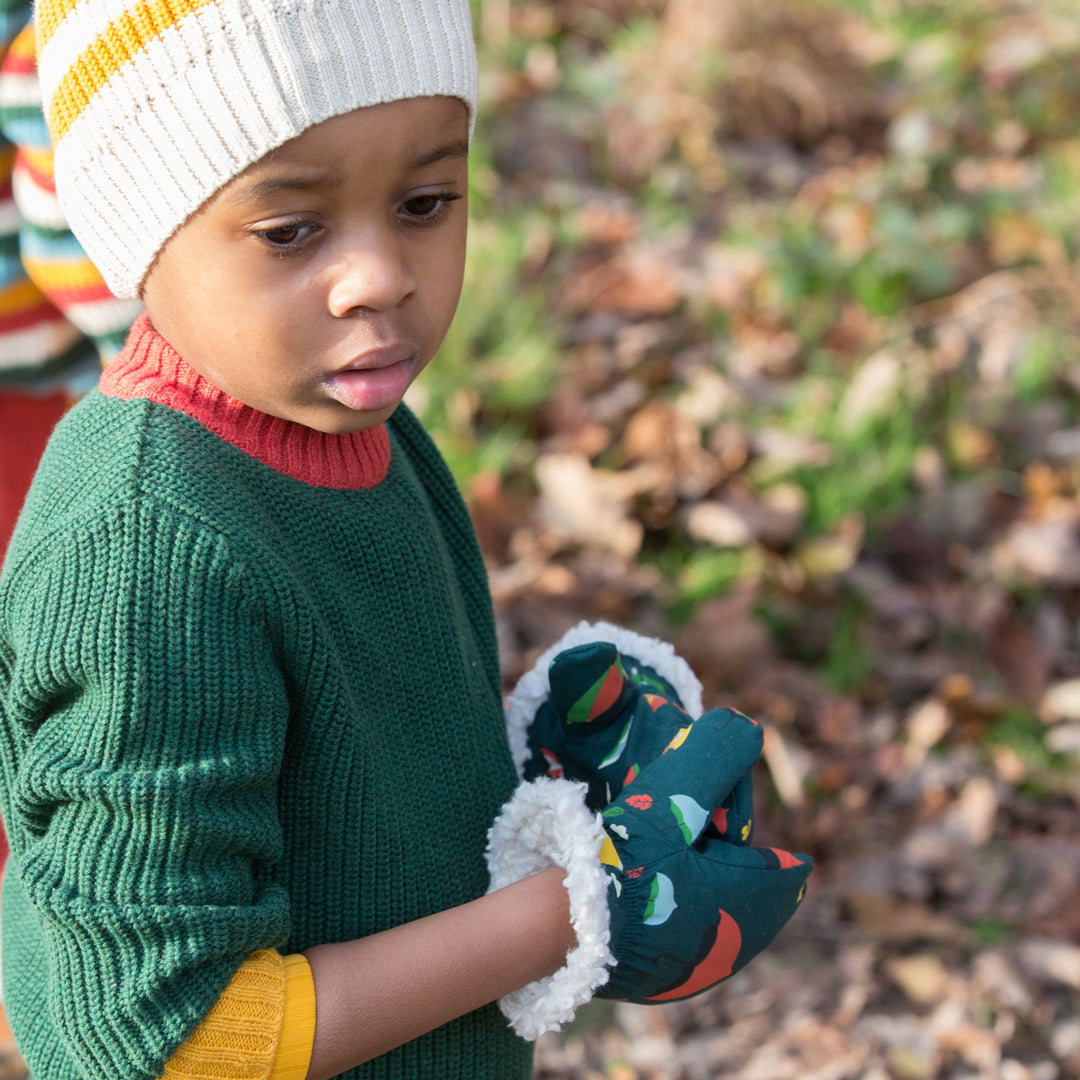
<point x="604" y="703"/>
<point x="681" y="910"/>
<point x="688" y="910"/>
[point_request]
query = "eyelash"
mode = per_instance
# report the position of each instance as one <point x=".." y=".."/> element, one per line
<point x="441" y="199"/>
<point x="289" y="246"/>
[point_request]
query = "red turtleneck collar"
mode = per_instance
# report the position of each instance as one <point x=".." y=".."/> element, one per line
<point x="149" y="367"/>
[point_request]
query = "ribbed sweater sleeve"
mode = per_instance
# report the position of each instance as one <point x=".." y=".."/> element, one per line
<point x="152" y="717"/>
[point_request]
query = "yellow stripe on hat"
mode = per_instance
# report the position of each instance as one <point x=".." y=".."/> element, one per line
<point x="49" y="16"/>
<point x="114" y="47"/>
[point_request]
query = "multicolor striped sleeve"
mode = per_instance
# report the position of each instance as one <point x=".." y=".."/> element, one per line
<point x="58" y="319"/>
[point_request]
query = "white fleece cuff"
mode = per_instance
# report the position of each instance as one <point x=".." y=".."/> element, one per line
<point x="534" y="687"/>
<point x="546" y="823"/>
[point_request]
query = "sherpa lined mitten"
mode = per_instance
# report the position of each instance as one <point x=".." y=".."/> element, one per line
<point x="660" y="909"/>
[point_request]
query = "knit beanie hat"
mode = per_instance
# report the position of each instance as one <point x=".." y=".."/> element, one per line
<point x="155" y="105"/>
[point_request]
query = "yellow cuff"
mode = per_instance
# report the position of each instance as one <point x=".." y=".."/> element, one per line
<point x="298" y="1027"/>
<point x="262" y="1027"/>
<point x="238" y="1037"/>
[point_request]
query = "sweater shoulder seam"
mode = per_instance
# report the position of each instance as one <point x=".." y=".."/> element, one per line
<point x="63" y="539"/>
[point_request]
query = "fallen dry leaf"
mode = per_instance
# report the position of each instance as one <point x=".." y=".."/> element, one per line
<point x="886" y="919"/>
<point x="922" y="977"/>
<point x="787" y="768"/>
<point x="586" y="505"/>
<point x="1061" y="702"/>
<point x="717" y="524"/>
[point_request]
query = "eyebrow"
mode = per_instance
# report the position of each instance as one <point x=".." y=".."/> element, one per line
<point x="456" y="148"/>
<point x="274" y="185"/>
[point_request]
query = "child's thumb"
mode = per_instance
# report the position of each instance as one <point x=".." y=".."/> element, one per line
<point x="589" y="685"/>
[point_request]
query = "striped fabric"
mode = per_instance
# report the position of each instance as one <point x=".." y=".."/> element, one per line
<point x="191" y="92"/>
<point x="58" y="319"/>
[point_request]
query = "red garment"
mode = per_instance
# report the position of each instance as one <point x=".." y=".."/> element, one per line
<point x="26" y="422"/>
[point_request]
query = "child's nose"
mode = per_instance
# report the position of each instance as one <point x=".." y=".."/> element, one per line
<point x="370" y="277"/>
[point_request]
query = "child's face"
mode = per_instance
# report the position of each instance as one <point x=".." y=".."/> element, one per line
<point x="318" y="284"/>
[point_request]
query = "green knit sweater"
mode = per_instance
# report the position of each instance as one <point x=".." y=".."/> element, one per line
<point x="245" y="703"/>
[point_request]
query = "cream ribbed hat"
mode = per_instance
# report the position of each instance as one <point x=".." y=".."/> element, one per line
<point x="154" y="106"/>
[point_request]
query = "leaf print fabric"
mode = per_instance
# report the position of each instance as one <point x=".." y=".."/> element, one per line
<point x="688" y="907"/>
<point x="607" y="717"/>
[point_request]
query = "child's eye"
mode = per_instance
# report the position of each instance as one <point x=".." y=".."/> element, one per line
<point x="288" y="236"/>
<point x="425" y="209"/>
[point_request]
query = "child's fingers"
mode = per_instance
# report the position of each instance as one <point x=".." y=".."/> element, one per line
<point x="696" y="916"/>
<point x="755" y="858"/>
<point x="682" y="788"/>
<point x="751" y="893"/>
<point x="759" y="887"/>
<point x="734" y="820"/>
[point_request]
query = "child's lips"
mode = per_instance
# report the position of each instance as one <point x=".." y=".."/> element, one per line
<point x="375" y="380"/>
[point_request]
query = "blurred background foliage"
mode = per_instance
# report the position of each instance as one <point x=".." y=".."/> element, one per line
<point x="770" y="296"/>
<point x="769" y="347"/>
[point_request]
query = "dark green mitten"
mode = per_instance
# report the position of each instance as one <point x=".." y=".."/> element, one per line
<point x="688" y="909"/>
<point x="660" y="909"/>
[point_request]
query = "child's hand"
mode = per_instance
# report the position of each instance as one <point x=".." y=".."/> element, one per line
<point x="687" y="909"/>
<point x="608" y="715"/>
<point x="661" y="909"/>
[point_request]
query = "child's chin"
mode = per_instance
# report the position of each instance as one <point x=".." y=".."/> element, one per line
<point x="348" y="422"/>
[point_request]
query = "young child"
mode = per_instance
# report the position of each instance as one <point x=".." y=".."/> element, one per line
<point x="252" y="738"/>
